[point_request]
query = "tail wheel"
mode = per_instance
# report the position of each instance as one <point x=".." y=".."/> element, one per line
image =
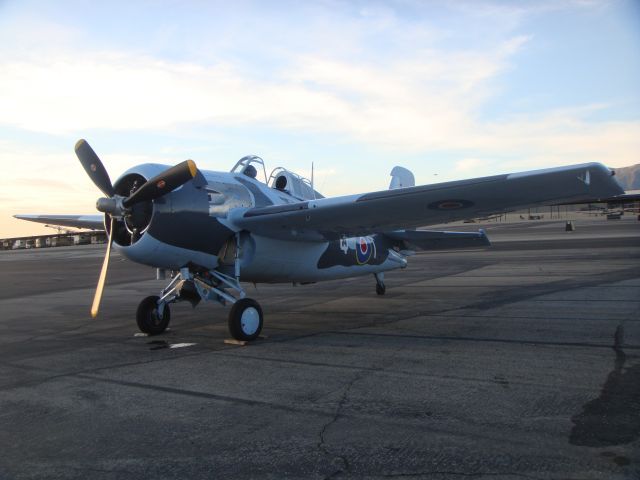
<point x="148" y="316"/>
<point x="245" y="319"/>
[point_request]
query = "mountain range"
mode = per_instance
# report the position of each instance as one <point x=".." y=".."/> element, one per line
<point x="629" y="177"/>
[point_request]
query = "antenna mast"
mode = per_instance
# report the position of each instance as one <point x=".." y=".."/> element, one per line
<point x="312" y="187"/>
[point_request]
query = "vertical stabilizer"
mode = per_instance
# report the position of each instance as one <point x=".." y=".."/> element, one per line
<point x="401" y="178"/>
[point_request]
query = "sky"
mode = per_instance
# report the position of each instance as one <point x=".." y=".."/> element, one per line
<point x="448" y="89"/>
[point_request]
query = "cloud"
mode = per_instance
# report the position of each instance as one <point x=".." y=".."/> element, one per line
<point x="378" y="76"/>
<point x="410" y="102"/>
<point x="34" y="179"/>
<point x="467" y="164"/>
<point x="562" y="137"/>
<point x="429" y="101"/>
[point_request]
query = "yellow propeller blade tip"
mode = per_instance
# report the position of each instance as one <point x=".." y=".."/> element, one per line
<point x="192" y="167"/>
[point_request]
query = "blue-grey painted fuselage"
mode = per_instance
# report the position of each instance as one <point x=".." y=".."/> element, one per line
<point x="193" y="225"/>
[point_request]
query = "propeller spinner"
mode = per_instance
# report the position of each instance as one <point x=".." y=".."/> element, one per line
<point x="118" y="206"/>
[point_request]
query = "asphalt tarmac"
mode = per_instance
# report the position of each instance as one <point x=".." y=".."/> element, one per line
<point x="521" y="361"/>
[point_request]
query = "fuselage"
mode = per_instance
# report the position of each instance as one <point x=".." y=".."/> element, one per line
<point x="193" y="226"/>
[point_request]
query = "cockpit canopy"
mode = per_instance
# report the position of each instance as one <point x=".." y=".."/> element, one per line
<point x="293" y="184"/>
<point x="250" y="165"/>
<point x="280" y="179"/>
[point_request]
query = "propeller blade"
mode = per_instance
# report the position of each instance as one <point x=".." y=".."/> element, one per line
<point x="94" y="168"/>
<point x="164" y="183"/>
<point x="103" y="275"/>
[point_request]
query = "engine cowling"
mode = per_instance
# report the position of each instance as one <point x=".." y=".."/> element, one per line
<point x="130" y="228"/>
<point x="173" y="230"/>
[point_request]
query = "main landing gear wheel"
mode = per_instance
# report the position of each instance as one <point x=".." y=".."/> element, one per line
<point x="148" y="316"/>
<point x="245" y="319"/>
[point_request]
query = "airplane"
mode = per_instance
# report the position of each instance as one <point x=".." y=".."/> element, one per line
<point x="214" y="230"/>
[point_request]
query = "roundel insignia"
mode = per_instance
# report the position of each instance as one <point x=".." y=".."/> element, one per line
<point x="452" y="204"/>
<point x="161" y="184"/>
<point x="364" y="250"/>
<point x="93" y="167"/>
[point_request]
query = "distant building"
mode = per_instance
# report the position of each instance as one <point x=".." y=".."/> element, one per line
<point x="55" y="240"/>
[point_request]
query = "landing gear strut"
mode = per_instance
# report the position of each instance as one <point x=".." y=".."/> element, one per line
<point x="245" y="316"/>
<point x="194" y="284"/>
<point x="380" y="286"/>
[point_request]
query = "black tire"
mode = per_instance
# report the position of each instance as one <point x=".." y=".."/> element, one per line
<point x="148" y="319"/>
<point x="245" y="320"/>
<point x="380" y="289"/>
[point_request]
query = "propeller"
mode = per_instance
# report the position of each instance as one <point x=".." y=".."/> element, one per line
<point x="118" y="206"/>
<point x="162" y="184"/>
<point x="94" y="168"/>
<point x="95" y="306"/>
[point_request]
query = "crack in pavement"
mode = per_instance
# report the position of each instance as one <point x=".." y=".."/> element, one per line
<point x="322" y="443"/>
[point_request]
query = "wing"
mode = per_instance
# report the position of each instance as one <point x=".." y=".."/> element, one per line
<point x="330" y="218"/>
<point x="93" y="222"/>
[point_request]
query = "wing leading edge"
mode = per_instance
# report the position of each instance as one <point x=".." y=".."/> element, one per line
<point x="387" y="210"/>
<point x="92" y="222"/>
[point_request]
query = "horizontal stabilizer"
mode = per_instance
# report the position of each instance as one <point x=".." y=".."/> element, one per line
<point x="434" y="240"/>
